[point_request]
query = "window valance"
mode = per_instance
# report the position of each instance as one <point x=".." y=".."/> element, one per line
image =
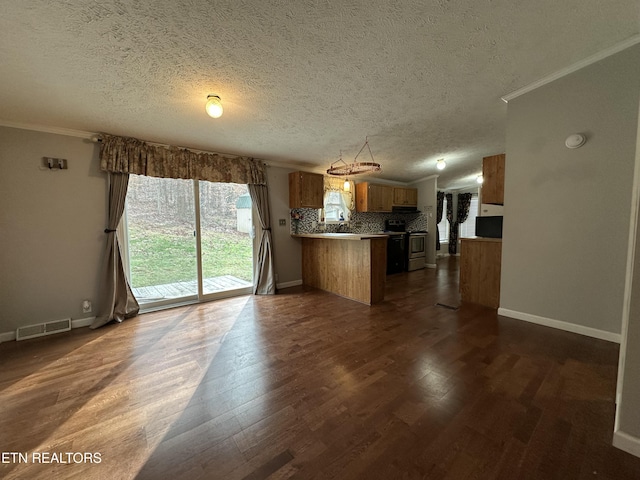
<point x="130" y="155"/>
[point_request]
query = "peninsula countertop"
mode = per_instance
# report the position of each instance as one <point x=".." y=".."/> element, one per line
<point x="340" y="236"/>
<point x="352" y="265"/>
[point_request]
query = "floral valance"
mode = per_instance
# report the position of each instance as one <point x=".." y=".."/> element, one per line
<point x="130" y="155"/>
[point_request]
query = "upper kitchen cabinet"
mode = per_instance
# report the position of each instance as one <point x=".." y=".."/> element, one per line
<point x="405" y="197"/>
<point x="371" y="197"/>
<point x="306" y="190"/>
<point x="493" y="174"/>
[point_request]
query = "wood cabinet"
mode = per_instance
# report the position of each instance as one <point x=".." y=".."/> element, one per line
<point x="405" y="197"/>
<point x="371" y="197"/>
<point x="306" y="190"/>
<point x="493" y="175"/>
<point x="480" y="265"/>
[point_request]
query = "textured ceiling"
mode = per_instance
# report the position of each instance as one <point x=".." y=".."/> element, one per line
<point x="302" y="80"/>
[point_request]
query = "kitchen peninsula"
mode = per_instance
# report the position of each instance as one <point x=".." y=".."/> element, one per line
<point x="347" y="264"/>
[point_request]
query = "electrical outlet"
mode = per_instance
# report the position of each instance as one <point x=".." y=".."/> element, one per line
<point x="86" y="306"/>
<point x="282" y="222"/>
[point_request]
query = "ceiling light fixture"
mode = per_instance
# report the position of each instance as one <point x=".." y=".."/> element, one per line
<point x="341" y="168"/>
<point x="440" y="164"/>
<point x="480" y="179"/>
<point x="214" y="106"/>
<point x="575" y="141"/>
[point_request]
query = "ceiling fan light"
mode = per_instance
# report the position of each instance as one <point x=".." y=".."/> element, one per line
<point x="440" y="164"/>
<point x="214" y="106"/>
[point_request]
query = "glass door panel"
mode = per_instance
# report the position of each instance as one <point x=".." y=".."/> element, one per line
<point x="161" y="239"/>
<point x="226" y="236"/>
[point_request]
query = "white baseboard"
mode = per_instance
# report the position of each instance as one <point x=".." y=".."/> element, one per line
<point x="78" y="323"/>
<point x="431" y="265"/>
<point x="7" y="336"/>
<point x="294" y="283"/>
<point x="82" y="322"/>
<point x="626" y="442"/>
<point x="560" y="325"/>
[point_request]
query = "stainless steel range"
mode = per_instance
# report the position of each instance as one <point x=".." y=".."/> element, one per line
<point x="416" y="250"/>
<point x="413" y="253"/>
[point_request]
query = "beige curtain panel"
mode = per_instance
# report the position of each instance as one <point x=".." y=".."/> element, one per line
<point x="130" y="155"/>
<point x="264" y="273"/>
<point x="118" y="301"/>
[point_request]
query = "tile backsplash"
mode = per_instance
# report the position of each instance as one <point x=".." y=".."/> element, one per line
<point x="361" y="222"/>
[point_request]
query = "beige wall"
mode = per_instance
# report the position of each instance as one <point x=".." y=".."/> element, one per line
<point x="287" y="250"/>
<point x="51" y="228"/>
<point x="627" y="435"/>
<point x="566" y="213"/>
<point x="427" y="205"/>
<point x="52" y="222"/>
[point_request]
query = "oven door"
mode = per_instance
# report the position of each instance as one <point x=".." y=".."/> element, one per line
<point x="417" y="245"/>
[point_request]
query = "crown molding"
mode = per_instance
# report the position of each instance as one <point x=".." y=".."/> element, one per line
<point x="430" y="177"/>
<point x="46" y="129"/>
<point x="630" y="42"/>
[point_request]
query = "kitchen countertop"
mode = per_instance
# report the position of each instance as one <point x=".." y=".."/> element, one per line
<point x="482" y="239"/>
<point x="341" y="236"/>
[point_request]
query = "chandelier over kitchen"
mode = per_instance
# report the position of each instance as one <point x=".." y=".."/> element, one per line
<point x="340" y="168"/>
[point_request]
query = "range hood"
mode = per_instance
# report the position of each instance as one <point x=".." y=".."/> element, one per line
<point x="404" y="209"/>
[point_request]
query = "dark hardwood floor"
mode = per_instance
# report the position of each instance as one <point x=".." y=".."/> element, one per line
<point x="308" y="385"/>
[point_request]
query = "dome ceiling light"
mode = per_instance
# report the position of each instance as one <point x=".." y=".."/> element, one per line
<point x="575" y="141"/>
<point x="214" y="106"/>
<point x="440" y="164"/>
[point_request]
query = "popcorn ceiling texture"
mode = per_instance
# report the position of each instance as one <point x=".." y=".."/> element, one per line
<point x="300" y="81"/>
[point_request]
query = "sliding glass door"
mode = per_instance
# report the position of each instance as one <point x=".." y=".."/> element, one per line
<point x="187" y="241"/>
<point x="226" y="237"/>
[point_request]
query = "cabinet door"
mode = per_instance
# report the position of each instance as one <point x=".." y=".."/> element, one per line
<point x="399" y="196"/>
<point x="493" y="174"/>
<point x="312" y="190"/>
<point x="362" y="197"/>
<point x="380" y="198"/>
<point x="405" y="196"/>
<point x="306" y="190"/>
<point x="412" y="196"/>
<point x="373" y="198"/>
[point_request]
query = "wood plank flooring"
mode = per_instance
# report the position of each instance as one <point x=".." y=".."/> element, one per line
<point x="308" y="385"/>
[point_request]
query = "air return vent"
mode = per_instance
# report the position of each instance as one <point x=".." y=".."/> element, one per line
<point x="42" y="329"/>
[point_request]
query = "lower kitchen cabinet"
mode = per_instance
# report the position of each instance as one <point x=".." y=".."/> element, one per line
<point x="480" y="265"/>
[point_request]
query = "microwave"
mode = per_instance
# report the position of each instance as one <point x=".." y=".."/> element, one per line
<point x="489" y="226"/>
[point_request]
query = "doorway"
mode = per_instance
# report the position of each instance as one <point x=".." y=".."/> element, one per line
<point x="187" y="241"/>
